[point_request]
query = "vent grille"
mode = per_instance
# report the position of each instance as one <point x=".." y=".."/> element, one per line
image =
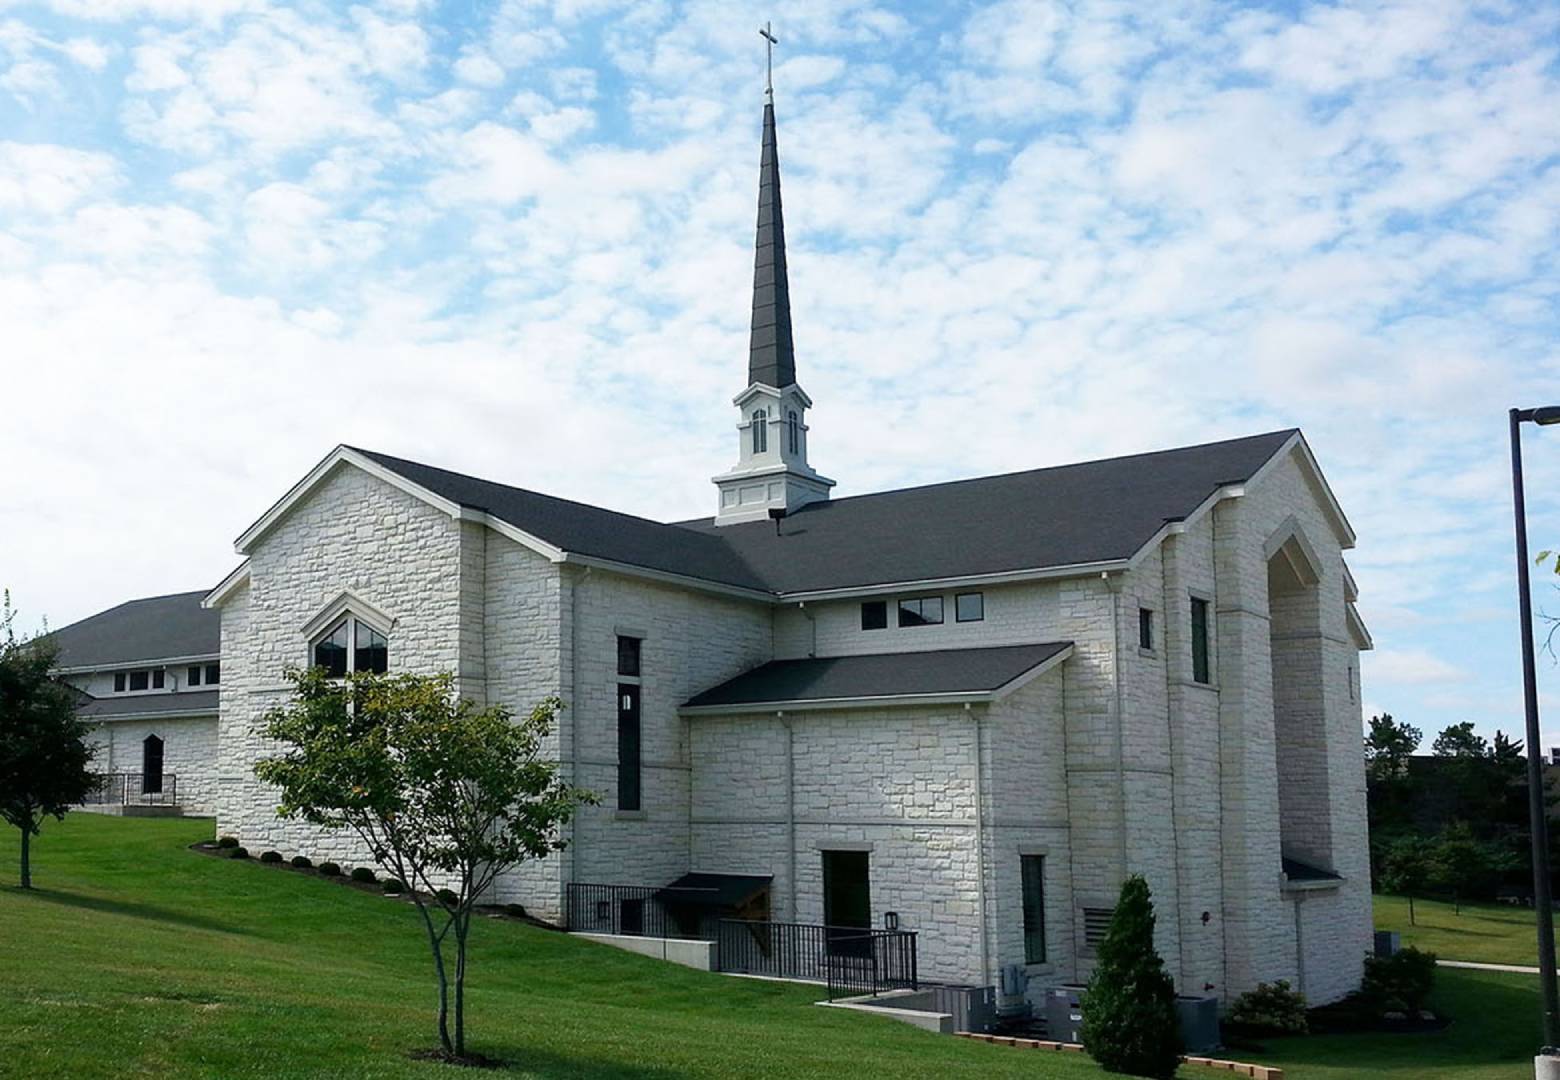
<point x="1095" y="922"/>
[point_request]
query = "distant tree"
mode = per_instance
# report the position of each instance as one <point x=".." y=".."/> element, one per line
<point x="45" y="760"/>
<point x="1406" y="869"/>
<point x="1461" y="741"/>
<point x="445" y="795"/>
<point x="1458" y="862"/>
<point x="1388" y="747"/>
<point x="1129" y="1018"/>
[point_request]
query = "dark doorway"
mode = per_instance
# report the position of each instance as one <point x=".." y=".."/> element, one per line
<point x="847" y="900"/>
<point x="633" y="917"/>
<point x="151" y="765"/>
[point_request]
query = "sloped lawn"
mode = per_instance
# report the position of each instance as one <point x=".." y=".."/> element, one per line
<point x="1488" y="933"/>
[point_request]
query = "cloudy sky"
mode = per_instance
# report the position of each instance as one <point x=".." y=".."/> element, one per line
<point x="514" y="238"/>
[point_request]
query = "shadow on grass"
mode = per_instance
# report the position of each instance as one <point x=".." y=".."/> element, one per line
<point x="549" y="1065"/>
<point x="126" y="907"/>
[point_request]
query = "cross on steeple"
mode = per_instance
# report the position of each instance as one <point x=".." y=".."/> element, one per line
<point x="770" y="41"/>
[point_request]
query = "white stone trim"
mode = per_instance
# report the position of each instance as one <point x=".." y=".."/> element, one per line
<point x="161" y="714"/>
<point x="346" y="602"/>
<point x="227" y="586"/>
<point x="1357" y="629"/>
<point x="665" y="576"/>
<point x="131" y="665"/>
<point x="1308" y="568"/>
<point x="1351" y="591"/>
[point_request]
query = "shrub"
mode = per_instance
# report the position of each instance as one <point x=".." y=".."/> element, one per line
<point x="329" y="869"/>
<point x="238" y="853"/>
<point x="1271" y="1009"/>
<point x="363" y="874"/>
<point x="227" y="841"/>
<point x="1400" y="982"/>
<point x="1129" y="1018"/>
<point x="270" y="856"/>
<point x="302" y="862"/>
<point x="393" y="886"/>
<point x="516" y="910"/>
<point x="448" y="897"/>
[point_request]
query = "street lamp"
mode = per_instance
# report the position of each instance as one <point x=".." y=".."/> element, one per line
<point x="1537" y="818"/>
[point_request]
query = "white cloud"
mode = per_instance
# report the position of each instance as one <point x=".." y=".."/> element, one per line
<point x="1412" y="667"/>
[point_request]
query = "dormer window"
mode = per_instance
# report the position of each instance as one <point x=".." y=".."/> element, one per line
<point x="761" y="431"/>
<point x="793" y="432"/>
<point x="351" y="645"/>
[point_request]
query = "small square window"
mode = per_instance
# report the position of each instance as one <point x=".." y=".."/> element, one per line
<point x="192" y="677"/>
<point x="213" y="674"/>
<point x="874" y="615"/>
<point x="157" y="679"/>
<point x="1145" y="628"/>
<point x="969" y="607"/>
<point x="119" y="682"/>
<point x="628" y="655"/>
<point x="923" y="611"/>
<point x="139" y="680"/>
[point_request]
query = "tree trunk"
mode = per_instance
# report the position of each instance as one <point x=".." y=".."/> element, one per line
<point x="444" y="991"/>
<point x="1411" y="921"/>
<point x="27" y="854"/>
<point x="462" y="925"/>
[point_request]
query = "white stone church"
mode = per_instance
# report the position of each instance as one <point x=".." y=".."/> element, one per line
<point x="969" y="709"/>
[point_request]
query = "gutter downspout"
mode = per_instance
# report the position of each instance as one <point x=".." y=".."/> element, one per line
<point x="980" y="844"/>
<point x="812" y="650"/>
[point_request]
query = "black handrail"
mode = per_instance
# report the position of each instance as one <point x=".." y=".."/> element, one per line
<point x="133" y="789"/>
<point x="632" y="910"/>
<point x="850" y="960"/>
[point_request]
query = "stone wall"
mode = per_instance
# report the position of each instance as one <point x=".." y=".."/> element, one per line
<point x="189" y="752"/>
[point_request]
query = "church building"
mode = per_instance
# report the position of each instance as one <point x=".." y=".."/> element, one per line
<point x="968" y="709"/>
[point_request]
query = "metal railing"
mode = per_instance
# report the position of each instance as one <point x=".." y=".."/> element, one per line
<point x="849" y="960"/>
<point x="632" y="910"/>
<point x="133" y="789"/>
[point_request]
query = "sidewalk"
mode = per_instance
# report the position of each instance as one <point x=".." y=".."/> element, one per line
<point x="1518" y="968"/>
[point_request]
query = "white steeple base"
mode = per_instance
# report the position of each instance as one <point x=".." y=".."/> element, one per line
<point x="749" y="494"/>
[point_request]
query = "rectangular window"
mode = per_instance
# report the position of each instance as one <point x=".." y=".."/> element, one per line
<point x="1032" y="869"/>
<point x="874" y="615"/>
<point x="139" y="679"/>
<point x="158" y="678"/>
<point x="1200" y="670"/>
<point x="628" y="793"/>
<point x="969" y="607"/>
<point x="214" y="673"/>
<point x="119" y="682"/>
<point x="1145" y="628"/>
<point x="628" y="656"/>
<point x="922" y="611"/>
<point x="192" y="677"/>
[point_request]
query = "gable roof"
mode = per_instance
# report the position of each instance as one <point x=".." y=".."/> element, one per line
<point x="1081" y="518"/>
<point x="151" y="706"/>
<point x="172" y="627"/>
<point x="945" y="675"/>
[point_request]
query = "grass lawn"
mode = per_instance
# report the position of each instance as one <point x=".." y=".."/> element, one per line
<point x="1489" y="933"/>
<point x="135" y="957"/>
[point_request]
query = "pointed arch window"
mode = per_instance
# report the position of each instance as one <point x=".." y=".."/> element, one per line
<point x="760" y="431"/>
<point x="351" y="645"/>
<point x="793" y="432"/>
<point x="151" y="764"/>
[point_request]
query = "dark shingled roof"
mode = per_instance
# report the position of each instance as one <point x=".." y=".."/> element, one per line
<point x="944" y="671"/>
<point x="771" y="352"/>
<point x="193" y="702"/>
<point x="155" y="628"/>
<point x="1043" y="518"/>
<point x="714" y="890"/>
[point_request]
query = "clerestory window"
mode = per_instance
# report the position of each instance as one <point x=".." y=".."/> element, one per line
<point x="351" y="645"/>
<point x="760" y="431"/>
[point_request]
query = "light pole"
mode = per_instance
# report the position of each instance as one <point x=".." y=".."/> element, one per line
<point x="1538" y="819"/>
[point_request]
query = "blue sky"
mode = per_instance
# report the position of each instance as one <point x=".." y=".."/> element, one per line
<point x="514" y="238"/>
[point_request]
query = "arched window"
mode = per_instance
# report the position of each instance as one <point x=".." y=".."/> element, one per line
<point x="351" y="645"/>
<point x="793" y="430"/>
<point x="151" y="765"/>
<point x="760" y="431"/>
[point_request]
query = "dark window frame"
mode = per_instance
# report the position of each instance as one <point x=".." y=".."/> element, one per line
<point x="630" y="748"/>
<point x="192" y="676"/>
<point x="159" y="678"/>
<point x="958" y="607"/>
<point x="879" y="618"/>
<point x="119" y="682"/>
<point x="144" y="677"/>
<point x="1032" y="884"/>
<point x="352" y="630"/>
<point x="1146" y="628"/>
<point x="214" y="671"/>
<point x="1202" y="651"/>
<point x="919" y="616"/>
<point x="630" y="655"/>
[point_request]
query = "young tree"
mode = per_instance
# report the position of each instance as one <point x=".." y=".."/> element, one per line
<point x="1460" y="863"/>
<point x="45" y="760"/>
<point x="442" y="792"/>
<point x="1129" y="1018"/>
<point x="1406" y="870"/>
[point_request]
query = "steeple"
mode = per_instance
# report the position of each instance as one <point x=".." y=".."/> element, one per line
<point x="771" y="353"/>
<point x="771" y="473"/>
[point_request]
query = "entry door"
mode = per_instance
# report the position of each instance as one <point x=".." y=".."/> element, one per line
<point x="847" y="898"/>
<point x="151" y="765"/>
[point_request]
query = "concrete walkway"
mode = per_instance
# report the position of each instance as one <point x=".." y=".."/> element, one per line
<point x="1518" y="968"/>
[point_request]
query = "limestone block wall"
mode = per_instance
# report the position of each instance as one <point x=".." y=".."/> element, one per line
<point x="189" y="752"/>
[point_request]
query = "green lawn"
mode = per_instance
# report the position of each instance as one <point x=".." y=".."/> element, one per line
<point x="135" y="957"/>
<point x="1489" y="933"/>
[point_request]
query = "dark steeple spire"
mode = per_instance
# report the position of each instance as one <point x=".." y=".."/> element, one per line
<point x="771" y="355"/>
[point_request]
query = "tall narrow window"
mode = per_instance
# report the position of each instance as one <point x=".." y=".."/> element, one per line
<point x="330" y="652"/>
<point x="193" y="676"/>
<point x="119" y="682"/>
<point x="158" y="678"/>
<point x="1200" y="669"/>
<point x="151" y="764"/>
<point x="1145" y="628"/>
<point x="628" y="655"/>
<point x="1032" y="871"/>
<point x="628" y="787"/>
<point x="760" y="431"/>
<point x="214" y="673"/>
<point x="793" y="430"/>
